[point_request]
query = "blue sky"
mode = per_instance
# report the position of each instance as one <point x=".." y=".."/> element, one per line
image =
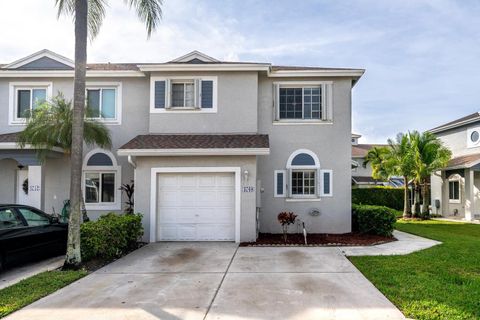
<point x="421" y="56"/>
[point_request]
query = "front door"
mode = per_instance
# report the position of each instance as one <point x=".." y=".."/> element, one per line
<point x="22" y="187"/>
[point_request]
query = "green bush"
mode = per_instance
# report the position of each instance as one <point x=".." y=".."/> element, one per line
<point x="111" y="236"/>
<point x="379" y="196"/>
<point x="376" y="220"/>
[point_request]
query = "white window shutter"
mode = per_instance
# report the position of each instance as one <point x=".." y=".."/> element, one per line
<point x="275" y="102"/>
<point x="329" y="101"/>
<point x="197" y="92"/>
<point x="319" y="182"/>
<point x="168" y="94"/>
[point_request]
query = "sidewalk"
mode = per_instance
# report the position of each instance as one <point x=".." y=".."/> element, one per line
<point x="407" y="243"/>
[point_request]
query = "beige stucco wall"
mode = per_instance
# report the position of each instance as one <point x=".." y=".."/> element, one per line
<point x="236" y="110"/>
<point x="331" y="142"/>
<point x="248" y="207"/>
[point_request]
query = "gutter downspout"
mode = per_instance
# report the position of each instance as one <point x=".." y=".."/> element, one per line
<point x="131" y="160"/>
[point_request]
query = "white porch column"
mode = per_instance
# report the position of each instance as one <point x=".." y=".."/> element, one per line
<point x="469" y="194"/>
<point x="35" y="186"/>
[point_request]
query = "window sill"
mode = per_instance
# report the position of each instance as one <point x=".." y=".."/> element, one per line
<point x="303" y="199"/>
<point x="104" y="121"/>
<point x="301" y="122"/>
<point x="183" y="110"/>
<point x="454" y="201"/>
<point x="102" y="207"/>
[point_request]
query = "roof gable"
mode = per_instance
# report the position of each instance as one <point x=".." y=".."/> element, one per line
<point x="42" y="60"/>
<point x="195" y="57"/>
<point x="471" y="118"/>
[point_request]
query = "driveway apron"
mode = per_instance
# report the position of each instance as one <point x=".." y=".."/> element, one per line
<point x="219" y="281"/>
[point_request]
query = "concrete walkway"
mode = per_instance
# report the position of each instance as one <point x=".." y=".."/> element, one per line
<point x="12" y="276"/>
<point x="219" y="281"/>
<point x="407" y="243"/>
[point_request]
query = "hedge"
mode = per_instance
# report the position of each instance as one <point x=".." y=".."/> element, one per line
<point x="379" y="196"/>
<point x="111" y="236"/>
<point x="377" y="220"/>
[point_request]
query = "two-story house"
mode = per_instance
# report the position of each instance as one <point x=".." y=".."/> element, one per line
<point x="216" y="149"/>
<point x="455" y="190"/>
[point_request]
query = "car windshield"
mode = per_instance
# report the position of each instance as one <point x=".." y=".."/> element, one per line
<point x="33" y="217"/>
<point x="9" y="219"/>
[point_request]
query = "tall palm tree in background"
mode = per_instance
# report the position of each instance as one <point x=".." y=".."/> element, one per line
<point x="376" y="159"/>
<point x="401" y="163"/>
<point x="430" y="155"/>
<point x="88" y="16"/>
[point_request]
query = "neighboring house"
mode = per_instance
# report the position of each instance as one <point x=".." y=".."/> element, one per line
<point x="362" y="175"/>
<point x="455" y="190"/>
<point x="216" y="149"/>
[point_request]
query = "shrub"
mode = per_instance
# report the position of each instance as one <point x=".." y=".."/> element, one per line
<point x="286" y="219"/>
<point x="379" y="196"/>
<point x="111" y="236"/>
<point x="377" y="220"/>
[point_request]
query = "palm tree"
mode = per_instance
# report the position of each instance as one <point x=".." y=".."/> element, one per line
<point x="400" y="163"/>
<point x="376" y="158"/>
<point x="88" y="16"/>
<point x="50" y="125"/>
<point x="430" y="155"/>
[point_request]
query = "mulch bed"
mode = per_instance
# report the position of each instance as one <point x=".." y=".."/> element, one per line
<point x="318" y="239"/>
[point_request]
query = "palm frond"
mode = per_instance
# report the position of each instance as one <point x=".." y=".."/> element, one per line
<point x="149" y="11"/>
<point x="96" y="13"/>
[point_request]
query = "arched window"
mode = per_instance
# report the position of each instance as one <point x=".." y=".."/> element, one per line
<point x="101" y="181"/>
<point x="303" y="177"/>
<point x="454" y="184"/>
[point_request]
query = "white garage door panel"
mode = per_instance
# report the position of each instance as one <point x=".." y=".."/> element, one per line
<point x="196" y="206"/>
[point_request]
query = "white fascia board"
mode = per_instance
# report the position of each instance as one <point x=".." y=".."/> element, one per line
<point x="38" y="55"/>
<point x="204" y="67"/>
<point x="355" y="73"/>
<point x="193" y="152"/>
<point x="195" y="55"/>
<point x="455" y="125"/>
<point x="68" y="73"/>
<point x="16" y="146"/>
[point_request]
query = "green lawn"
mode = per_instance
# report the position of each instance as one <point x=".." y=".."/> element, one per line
<point x="442" y="282"/>
<point x="29" y="290"/>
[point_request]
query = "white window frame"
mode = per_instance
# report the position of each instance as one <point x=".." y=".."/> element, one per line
<point x="197" y="108"/>
<point x="115" y="168"/>
<point x="117" y="86"/>
<point x="184" y="83"/>
<point x="455" y="178"/>
<point x="275" y="181"/>
<point x="326" y="107"/>
<point x="291" y="168"/>
<point x="313" y="170"/>
<point x="322" y="183"/>
<point x="13" y="91"/>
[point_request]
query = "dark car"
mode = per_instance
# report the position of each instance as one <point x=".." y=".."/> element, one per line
<point x="27" y="234"/>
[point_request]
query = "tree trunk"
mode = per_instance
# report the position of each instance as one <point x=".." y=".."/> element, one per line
<point x="416" y="200"/>
<point x="407" y="210"/>
<point x="425" y="211"/>
<point x="73" y="257"/>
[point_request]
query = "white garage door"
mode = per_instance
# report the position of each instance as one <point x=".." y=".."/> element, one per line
<point x="196" y="206"/>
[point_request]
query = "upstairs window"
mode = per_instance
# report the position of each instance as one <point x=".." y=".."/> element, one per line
<point x="183" y="94"/>
<point x="26" y="97"/>
<point x="104" y="101"/>
<point x="299" y="102"/>
<point x="196" y="94"/>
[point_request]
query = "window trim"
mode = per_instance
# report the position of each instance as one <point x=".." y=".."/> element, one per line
<point x="24" y="85"/>
<point x="326" y="107"/>
<point x="115" y="168"/>
<point x="291" y="167"/>
<point x="197" y="82"/>
<point x="322" y="183"/>
<point x="315" y="183"/>
<point x="458" y="180"/>
<point x="117" y="86"/>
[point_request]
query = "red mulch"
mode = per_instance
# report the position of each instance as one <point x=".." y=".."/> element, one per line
<point x="318" y="239"/>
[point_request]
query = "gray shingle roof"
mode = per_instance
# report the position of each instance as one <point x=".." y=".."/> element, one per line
<point x="197" y="141"/>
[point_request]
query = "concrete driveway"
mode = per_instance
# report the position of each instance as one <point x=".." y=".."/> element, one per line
<point x="219" y="281"/>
